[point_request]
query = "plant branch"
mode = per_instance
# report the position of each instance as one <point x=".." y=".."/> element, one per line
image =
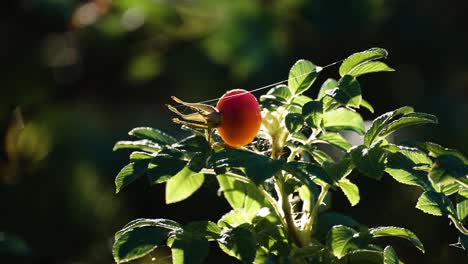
<point x="310" y="224"/>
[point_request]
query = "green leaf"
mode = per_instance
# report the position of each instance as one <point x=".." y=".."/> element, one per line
<point x="294" y="122"/>
<point x="380" y="122"/>
<point x="306" y="171"/>
<point x="363" y="256"/>
<point x="144" y="145"/>
<point x="153" y="135"/>
<point x="435" y="203"/>
<point x="189" y="249"/>
<point x="408" y="120"/>
<point x="242" y="195"/>
<point x="335" y="139"/>
<point x="313" y="113"/>
<point x="369" y="161"/>
<point x="390" y="256"/>
<point x="437" y="150"/>
<point x="203" y="229"/>
<point x="328" y="102"/>
<point x="145" y="222"/>
<point x="300" y="100"/>
<point x="194" y="143"/>
<point x="136" y="243"/>
<point x="240" y="243"/>
<point x="129" y="174"/>
<point x="257" y="167"/>
<point x="182" y="185"/>
<point x="350" y="190"/>
<point x="357" y="58"/>
<point x="462" y="209"/>
<point x="397" y="232"/>
<point x="280" y="93"/>
<point x="369" y="67"/>
<point x="367" y="105"/>
<point x="400" y="166"/>
<point x="344" y="119"/>
<point x="139" y="155"/>
<point x="343" y="239"/>
<point x="348" y="92"/>
<point x="301" y="76"/>
<point x="270" y="235"/>
<point x="329" y="219"/>
<point x="446" y="169"/>
<point x="318" y="155"/>
<point x="328" y="85"/>
<point x="450" y="188"/>
<point x="235" y="217"/>
<point x="340" y="169"/>
<point x="163" y="167"/>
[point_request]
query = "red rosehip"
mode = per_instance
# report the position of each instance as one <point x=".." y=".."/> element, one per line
<point x="240" y="117"/>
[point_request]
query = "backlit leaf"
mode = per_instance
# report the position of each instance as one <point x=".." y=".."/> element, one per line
<point x="183" y="185"/>
<point x="301" y="76"/>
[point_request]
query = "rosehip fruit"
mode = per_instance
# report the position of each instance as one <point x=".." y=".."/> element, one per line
<point x="240" y="117"/>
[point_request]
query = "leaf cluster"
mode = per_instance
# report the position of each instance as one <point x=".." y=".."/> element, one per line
<point x="280" y="185"/>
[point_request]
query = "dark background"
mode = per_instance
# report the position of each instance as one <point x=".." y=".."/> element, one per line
<point x="76" y="76"/>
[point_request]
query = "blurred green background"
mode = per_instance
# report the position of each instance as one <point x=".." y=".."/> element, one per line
<point x="76" y="76"/>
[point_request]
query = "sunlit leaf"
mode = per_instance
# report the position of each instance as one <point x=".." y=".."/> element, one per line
<point x="152" y="134"/>
<point x="357" y="58"/>
<point x="129" y="174"/>
<point x="435" y="203"/>
<point x="462" y="209"/>
<point x="367" y="105"/>
<point x="350" y="190"/>
<point x="241" y="194"/>
<point x="139" y="155"/>
<point x="390" y="256"/>
<point x="344" y="119"/>
<point x="146" y="222"/>
<point x="408" y="120"/>
<point x="343" y="239"/>
<point x="335" y="139"/>
<point x="280" y="93"/>
<point x="401" y="166"/>
<point x="136" y="243"/>
<point x="397" y="232"/>
<point x="369" y="67"/>
<point x="381" y="122"/>
<point x="183" y="185"/>
<point x="235" y="218"/>
<point x="144" y="145"/>
<point x="301" y="76"/>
